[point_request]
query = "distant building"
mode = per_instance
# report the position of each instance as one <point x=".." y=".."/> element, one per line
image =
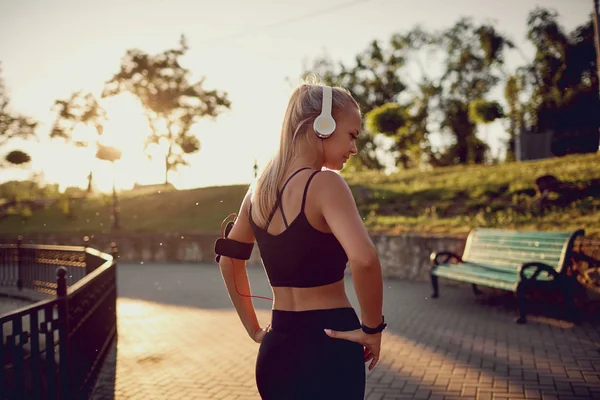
<point x="533" y="146"/>
<point x="539" y="145"/>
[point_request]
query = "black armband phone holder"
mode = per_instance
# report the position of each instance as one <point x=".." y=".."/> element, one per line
<point x="232" y="248"/>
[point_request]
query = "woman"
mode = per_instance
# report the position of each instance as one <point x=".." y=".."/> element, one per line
<point x="307" y="227"/>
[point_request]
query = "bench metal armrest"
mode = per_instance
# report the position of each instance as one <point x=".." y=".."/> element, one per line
<point x="541" y="267"/>
<point x="445" y="256"/>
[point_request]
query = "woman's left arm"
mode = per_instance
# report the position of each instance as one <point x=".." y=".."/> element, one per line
<point x="241" y="232"/>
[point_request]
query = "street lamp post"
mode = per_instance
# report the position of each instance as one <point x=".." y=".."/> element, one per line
<point x="116" y="210"/>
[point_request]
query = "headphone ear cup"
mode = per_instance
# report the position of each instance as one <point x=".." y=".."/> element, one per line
<point x="324" y="126"/>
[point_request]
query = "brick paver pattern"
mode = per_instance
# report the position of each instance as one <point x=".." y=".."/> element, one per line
<point x="180" y="338"/>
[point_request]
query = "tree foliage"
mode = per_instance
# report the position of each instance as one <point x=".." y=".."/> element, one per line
<point x="513" y="89"/>
<point x="79" y="109"/>
<point x="172" y="103"/>
<point x="386" y="119"/>
<point x="471" y="59"/>
<point x="485" y="112"/>
<point x="108" y="153"/>
<point x="557" y="90"/>
<point x="563" y="81"/>
<point x="373" y="80"/>
<point x="18" y="157"/>
<point x="13" y="126"/>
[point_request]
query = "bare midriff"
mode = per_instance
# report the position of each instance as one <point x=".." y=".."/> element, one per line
<point x="313" y="298"/>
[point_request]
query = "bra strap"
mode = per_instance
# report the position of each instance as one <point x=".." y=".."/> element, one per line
<point x="288" y="180"/>
<point x="278" y="202"/>
<point x="306" y="189"/>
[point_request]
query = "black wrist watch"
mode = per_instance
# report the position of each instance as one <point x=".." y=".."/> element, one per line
<point x="372" y="331"/>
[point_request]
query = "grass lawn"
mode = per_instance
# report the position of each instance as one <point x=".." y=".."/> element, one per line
<point x="448" y="200"/>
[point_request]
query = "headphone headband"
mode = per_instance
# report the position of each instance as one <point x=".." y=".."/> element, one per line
<point x="327" y="100"/>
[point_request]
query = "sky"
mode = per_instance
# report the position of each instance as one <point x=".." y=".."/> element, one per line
<point x="253" y="50"/>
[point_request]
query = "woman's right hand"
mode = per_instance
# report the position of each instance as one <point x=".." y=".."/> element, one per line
<point x="260" y="333"/>
<point x="371" y="342"/>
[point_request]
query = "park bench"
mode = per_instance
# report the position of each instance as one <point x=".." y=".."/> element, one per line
<point x="510" y="260"/>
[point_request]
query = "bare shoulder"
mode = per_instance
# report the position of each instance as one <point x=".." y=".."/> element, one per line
<point x="331" y="177"/>
<point x="332" y="190"/>
<point x="329" y="182"/>
<point x="341" y="214"/>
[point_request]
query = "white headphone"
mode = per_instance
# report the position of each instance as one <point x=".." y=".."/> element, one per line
<point x="324" y="124"/>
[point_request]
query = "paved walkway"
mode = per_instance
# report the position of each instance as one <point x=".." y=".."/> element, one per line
<point x="12" y="299"/>
<point x="180" y="338"/>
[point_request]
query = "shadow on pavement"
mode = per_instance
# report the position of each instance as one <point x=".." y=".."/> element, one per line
<point x="465" y="347"/>
<point x="106" y="382"/>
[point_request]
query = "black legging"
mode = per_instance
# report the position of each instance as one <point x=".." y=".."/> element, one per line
<point x="297" y="360"/>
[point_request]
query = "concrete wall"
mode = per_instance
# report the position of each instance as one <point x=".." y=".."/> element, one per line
<point x="402" y="256"/>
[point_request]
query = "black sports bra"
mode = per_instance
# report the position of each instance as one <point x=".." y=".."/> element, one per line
<point x="300" y="256"/>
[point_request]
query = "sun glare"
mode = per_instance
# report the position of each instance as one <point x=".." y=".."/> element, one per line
<point x="126" y="129"/>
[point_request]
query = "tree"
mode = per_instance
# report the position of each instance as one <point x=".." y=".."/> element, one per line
<point x="471" y="58"/>
<point x="79" y="109"/>
<point x="14" y="126"/>
<point x="373" y="81"/>
<point x="515" y="113"/>
<point x="563" y="82"/>
<point x="451" y="102"/>
<point x="171" y="102"/>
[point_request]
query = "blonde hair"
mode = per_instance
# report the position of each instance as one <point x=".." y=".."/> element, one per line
<point x="303" y="107"/>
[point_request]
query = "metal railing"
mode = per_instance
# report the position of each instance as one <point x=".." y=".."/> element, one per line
<point x="53" y="349"/>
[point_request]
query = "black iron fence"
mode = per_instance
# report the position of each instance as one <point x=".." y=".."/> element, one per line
<point x="54" y="348"/>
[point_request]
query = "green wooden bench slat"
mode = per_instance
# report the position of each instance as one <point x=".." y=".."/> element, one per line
<point x="519" y="243"/>
<point x="522" y="244"/>
<point x="537" y="243"/>
<point x="494" y="232"/>
<point x="482" y="274"/>
<point x="515" y="240"/>
<point x="477" y="270"/>
<point x="519" y="238"/>
<point x="490" y="271"/>
<point x="511" y="258"/>
<point x="495" y="264"/>
<point x="519" y="251"/>
<point x="490" y="280"/>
